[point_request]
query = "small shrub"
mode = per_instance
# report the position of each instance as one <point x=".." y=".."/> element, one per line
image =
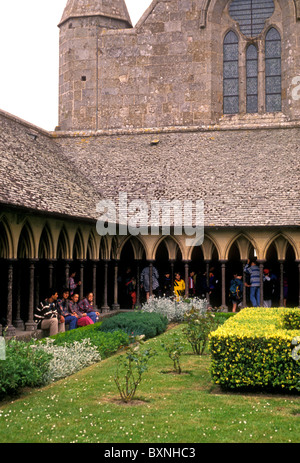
<point x="197" y="329"/>
<point x="136" y="324"/>
<point x="174" y="349"/>
<point x="23" y="367"/>
<point x="131" y="367"/>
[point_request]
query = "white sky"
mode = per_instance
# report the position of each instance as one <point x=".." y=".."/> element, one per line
<point x="29" y="57"/>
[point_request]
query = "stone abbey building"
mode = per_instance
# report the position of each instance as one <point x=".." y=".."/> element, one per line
<point x="199" y="101"/>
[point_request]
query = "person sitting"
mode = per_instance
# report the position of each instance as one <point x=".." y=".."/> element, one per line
<point x="87" y="306"/>
<point x="48" y="314"/>
<point x="63" y="303"/>
<point x="82" y="318"/>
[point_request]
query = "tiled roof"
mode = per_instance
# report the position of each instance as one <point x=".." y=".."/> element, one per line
<point x="245" y="177"/>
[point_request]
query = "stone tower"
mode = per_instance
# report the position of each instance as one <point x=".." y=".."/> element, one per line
<point x="80" y="55"/>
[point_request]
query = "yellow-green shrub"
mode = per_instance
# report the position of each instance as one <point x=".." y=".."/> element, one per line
<point x="254" y="350"/>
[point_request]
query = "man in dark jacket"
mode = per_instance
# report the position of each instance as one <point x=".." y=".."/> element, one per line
<point x="48" y="314"/>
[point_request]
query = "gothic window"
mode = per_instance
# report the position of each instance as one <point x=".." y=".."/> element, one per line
<point x="231" y="73"/>
<point x="252" y="79"/>
<point x="273" y="71"/>
<point x="250" y="18"/>
<point x="251" y="15"/>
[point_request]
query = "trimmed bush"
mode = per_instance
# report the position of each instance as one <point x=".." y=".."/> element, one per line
<point x="253" y="350"/>
<point x="136" y="324"/>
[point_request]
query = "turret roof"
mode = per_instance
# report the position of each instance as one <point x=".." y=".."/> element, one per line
<point x="115" y="9"/>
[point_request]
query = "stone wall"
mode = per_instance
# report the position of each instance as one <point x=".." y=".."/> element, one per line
<point x="165" y="72"/>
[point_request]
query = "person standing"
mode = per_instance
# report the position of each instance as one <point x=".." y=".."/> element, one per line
<point x="48" y="314"/>
<point x="236" y="291"/>
<point x="192" y="289"/>
<point x="179" y="286"/>
<point x="145" y="280"/>
<point x="72" y="285"/>
<point x="253" y="271"/>
<point x="268" y="288"/>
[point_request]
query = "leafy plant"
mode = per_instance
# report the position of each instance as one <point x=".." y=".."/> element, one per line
<point x="198" y="327"/>
<point x="174" y="348"/>
<point x="130" y="368"/>
<point x="23" y="367"/>
<point x="136" y="324"/>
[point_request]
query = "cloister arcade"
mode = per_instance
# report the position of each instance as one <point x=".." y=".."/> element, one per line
<point x="38" y="252"/>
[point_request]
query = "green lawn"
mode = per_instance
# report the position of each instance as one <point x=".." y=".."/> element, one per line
<point x="169" y="408"/>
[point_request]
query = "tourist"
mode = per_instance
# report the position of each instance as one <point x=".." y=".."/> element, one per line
<point x="236" y="291"/>
<point x="87" y="306"/>
<point x="130" y="287"/>
<point x="82" y="318"/>
<point x="269" y="288"/>
<point x="179" y="286"/>
<point x="72" y="285"/>
<point x="145" y="280"/>
<point x="192" y="288"/>
<point x="48" y="314"/>
<point x="63" y="303"/>
<point x="202" y="288"/>
<point x="253" y="270"/>
<point x="167" y="286"/>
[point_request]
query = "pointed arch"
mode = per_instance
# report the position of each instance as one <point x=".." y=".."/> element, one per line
<point x="78" y="246"/>
<point x="169" y="241"/>
<point x="63" y="245"/>
<point x="45" y="247"/>
<point x="281" y="242"/>
<point x="6" y="241"/>
<point x="243" y="242"/>
<point x="91" y="247"/>
<point x="231" y="94"/>
<point x="26" y="246"/>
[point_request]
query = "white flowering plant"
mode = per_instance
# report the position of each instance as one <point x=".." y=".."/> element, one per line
<point x="69" y="358"/>
<point x="174" y="309"/>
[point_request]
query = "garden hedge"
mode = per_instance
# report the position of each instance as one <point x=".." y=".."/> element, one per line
<point x="136" y="323"/>
<point x="253" y="350"/>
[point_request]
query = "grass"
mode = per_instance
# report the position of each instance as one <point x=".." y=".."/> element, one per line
<point x="168" y="408"/>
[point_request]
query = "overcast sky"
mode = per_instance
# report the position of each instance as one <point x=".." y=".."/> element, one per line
<point x="30" y="57"/>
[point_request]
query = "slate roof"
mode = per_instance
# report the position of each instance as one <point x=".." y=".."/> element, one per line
<point x="247" y="178"/>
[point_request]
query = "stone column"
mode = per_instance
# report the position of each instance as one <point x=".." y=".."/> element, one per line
<point x="30" y="325"/>
<point x="105" y="307"/>
<point x="244" y="262"/>
<point x="261" y="275"/>
<point x="186" y="278"/>
<point x="67" y="272"/>
<point x="207" y="266"/>
<point x="18" y="322"/>
<point x="11" y="331"/>
<point x="94" y="264"/>
<point x="150" y="279"/>
<point x="172" y="264"/>
<point x="116" y="305"/>
<point x="223" y="272"/>
<point x="81" y="278"/>
<point x="50" y="272"/>
<point x="281" y="262"/>
<point x="138" y="285"/>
